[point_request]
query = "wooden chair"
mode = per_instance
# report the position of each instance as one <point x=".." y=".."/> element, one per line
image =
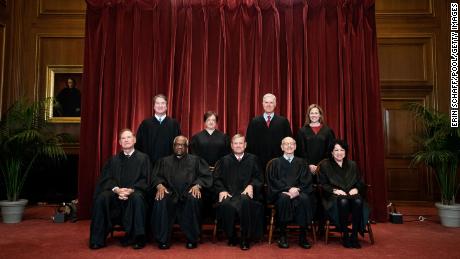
<point x="330" y="228"/>
<point x="272" y="210"/>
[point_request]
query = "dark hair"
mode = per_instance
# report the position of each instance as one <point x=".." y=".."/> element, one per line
<point x="209" y="114"/>
<point x="339" y="142"/>
<point x="73" y="81"/>
<point x="162" y="96"/>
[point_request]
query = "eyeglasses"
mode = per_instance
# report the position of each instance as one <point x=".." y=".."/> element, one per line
<point x="180" y="145"/>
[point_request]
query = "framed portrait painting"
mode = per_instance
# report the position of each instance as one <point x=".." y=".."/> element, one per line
<point x="63" y="84"/>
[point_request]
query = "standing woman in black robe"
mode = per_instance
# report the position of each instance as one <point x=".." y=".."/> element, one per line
<point x="314" y="138"/>
<point x="343" y="191"/>
<point x="210" y="144"/>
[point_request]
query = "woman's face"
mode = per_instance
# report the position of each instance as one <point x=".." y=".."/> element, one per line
<point x="338" y="153"/>
<point x="211" y="122"/>
<point x="314" y="115"/>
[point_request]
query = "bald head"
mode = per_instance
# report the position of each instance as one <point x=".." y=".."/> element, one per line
<point x="288" y="145"/>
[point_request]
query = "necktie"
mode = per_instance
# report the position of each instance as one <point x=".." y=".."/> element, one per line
<point x="268" y="120"/>
<point x="160" y="120"/>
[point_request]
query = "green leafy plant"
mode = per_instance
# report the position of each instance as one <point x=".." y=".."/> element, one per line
<point x="25" y="137"/>
<point x="439" y="148"/>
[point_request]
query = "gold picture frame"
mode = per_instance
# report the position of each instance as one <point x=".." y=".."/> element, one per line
<point x="65" y="98"/>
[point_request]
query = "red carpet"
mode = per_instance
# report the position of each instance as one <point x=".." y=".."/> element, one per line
<point x="38" y="237"/>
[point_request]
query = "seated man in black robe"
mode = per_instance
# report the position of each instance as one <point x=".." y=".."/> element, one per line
<point x="238" y="182"/>
<point x="120" y="195"/>
<point x="289" y="188"/>
<point x="178" y="180"/>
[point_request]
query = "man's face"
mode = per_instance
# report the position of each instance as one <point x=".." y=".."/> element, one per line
<point x="211" y="122"/>
<point x="180" y="146"/>
<point x="288" y="146"/>
<point x="127" y="140"/>
<point x="238" y="145"/>
<point x="160" y="106"/>
<point x="269" y="104"/>
<point x="70" y="83"/>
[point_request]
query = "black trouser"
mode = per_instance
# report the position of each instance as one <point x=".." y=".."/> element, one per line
<point x="297" y="210"/>
<point x="108" y="208"/>
<point x="250" y="213"/>
<point x="353" y="206"/>
<point x="186" y="211"/>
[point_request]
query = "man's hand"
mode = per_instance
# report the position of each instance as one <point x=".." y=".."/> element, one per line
<point x="123" y="193"/>
<point x="248" y="191"/>
<point x="353" y="191"/>
<point x="161" y="190"/>
<point x="223" y="196"/>
<point x="339" y="192"/>
<point x="195" y="190"/>
<point x="312" y="168"/>
<point x="294" y="191"/>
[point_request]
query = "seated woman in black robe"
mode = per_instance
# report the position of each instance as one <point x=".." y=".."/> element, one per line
<point x="343" y="191"/>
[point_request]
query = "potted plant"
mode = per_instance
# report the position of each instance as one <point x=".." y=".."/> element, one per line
<point x="439" y="148"/>
<point x="25" y="138"/>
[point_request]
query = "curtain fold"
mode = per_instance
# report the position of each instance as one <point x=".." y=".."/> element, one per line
<point x="224" y="55"/>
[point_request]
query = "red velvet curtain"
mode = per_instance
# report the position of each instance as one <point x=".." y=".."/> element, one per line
<point x="223" y="55"/>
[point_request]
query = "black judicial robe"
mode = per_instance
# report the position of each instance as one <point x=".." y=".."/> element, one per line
<point x="178" y="175"/>
<point x="123" y="172"/>
<point x="234" y="176"/>
<point x="210" y="147"/>
<point x="265" y="142"/>
<point x="314" y="147"/>
<point x="155" y="139"/>
<point x="347" y="177"/>
<point x="283" y="175"/>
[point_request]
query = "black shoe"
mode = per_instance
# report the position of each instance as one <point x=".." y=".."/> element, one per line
<point x="233" y="241"/>
<point x="282" y="242"/>
<point x="244" y="245"/>
<point x="355" y="243"/>
<point x="303" y="242"/>
<point x="346" y="241"/>
<point x="96" y="246"/>
<point x="140" y="242"/>
<point x="163" y="246"/>
<point x="191" y="245"/>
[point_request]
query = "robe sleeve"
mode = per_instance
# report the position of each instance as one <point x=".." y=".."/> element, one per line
<point x="219" y="185"/>
<point x="158" y="176"/>
<point x="326" y="185"/>
<point x="106" y="180"/>
<point x="257" y="180"/>
<point x="193" y="148"/>
<point x="301" y="146"/>
<point x="204" y="177"/>
<point x="250" y="136"/>
<point x="140" y="138"/>
<point x="275" y="186"/>
<point x="142" y="182"/>
<point x="305" y="180"/>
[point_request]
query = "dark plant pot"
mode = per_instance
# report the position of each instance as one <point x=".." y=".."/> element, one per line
<point x="449" y="214"/>
<point x="12" y="210"/>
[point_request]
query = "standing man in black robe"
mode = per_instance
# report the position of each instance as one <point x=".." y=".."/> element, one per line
<point x="120" y="195"/>
<point x="265" y="132"/>
<point x="155" y="134"/>
<point x="238" y="182"/>
<point x="178" y="180"/>
<point x="289" y="188"/>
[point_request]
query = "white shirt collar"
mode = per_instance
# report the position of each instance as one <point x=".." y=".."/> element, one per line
<point x="130" y="153"/>
<point x="288" y="158"/>
<point x="271" y="115"/>
<point x="160" y="118"/>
